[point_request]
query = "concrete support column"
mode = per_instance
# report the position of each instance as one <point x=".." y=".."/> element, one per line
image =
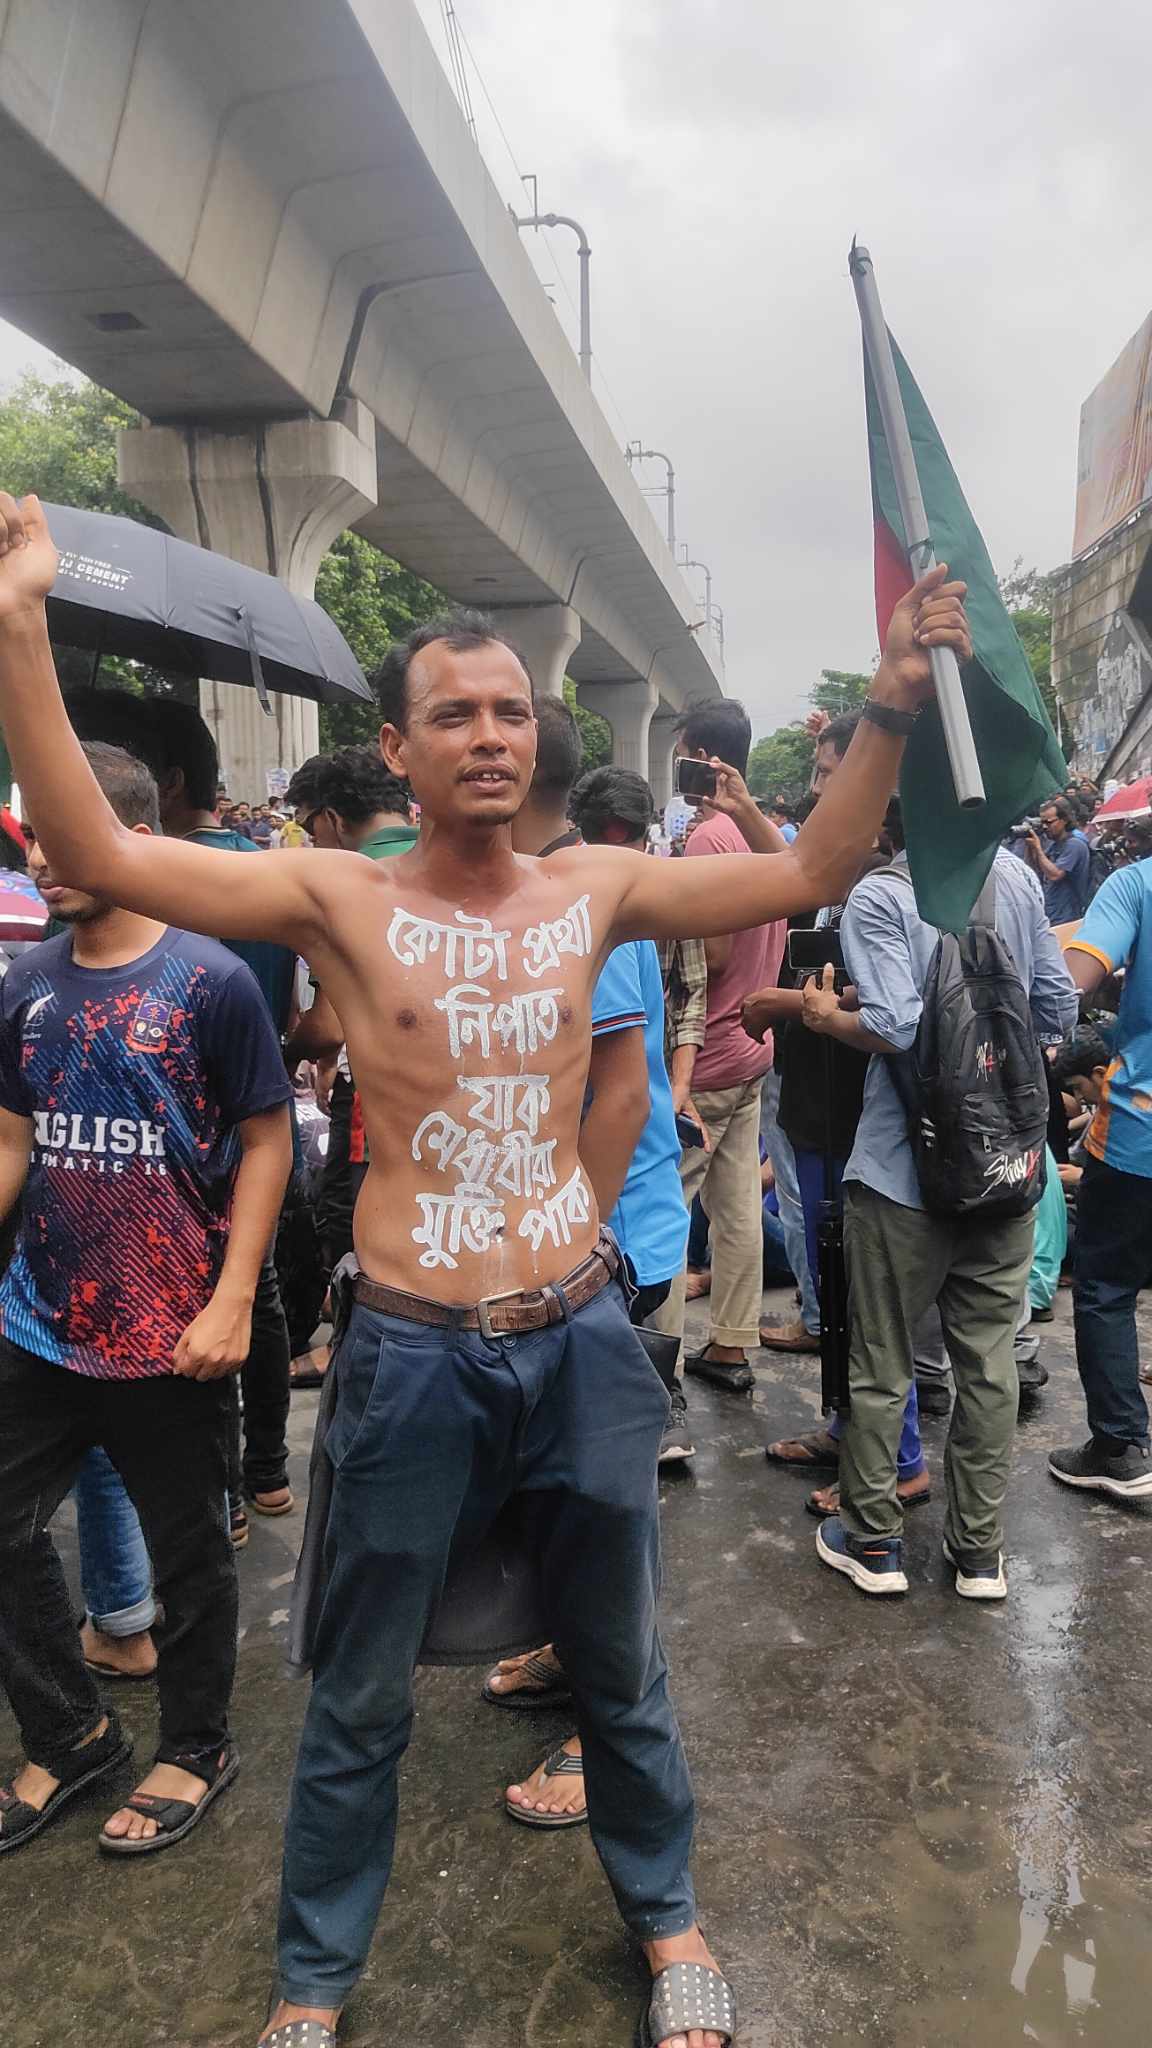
<point x="661" y="741"/>
<point x="274" y="497"/>
<point x="628" y="707"/>
<point x="547" y="635"/>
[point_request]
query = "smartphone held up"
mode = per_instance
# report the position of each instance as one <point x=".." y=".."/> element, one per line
<point x="694" y="779"/>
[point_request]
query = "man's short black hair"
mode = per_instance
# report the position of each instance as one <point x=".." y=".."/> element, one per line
<point x="780" y="807"/>
<point x="559" y="751"/>
<point x="128" y="785"/>
<point x="354" y="782"/>
<point x="721" y="726"/>
<point x="1080" y="1055"/>
<point x="182" y="740"/>
<point x="611" y="796"/>
<point x="839" y="733"/>
<point x="461" y="630"/>
<point x="1062" y="808"/>
<point x="118" y="719"/>
<point x="894" y="824"/>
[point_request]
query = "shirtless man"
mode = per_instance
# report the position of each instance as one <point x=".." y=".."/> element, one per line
<point x="489" y="1350"/>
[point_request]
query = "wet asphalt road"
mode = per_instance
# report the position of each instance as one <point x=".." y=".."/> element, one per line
<point x="922" y="1824"/>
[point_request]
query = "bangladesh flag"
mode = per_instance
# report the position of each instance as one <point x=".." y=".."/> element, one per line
<point x="951" y="850"/>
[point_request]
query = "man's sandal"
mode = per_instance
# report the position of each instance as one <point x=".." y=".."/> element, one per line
<point x="175" y="1818"/>
<point x="76" y="1769"/>
<point x="558" y="1765"/>
<point x="736" y="1377"/>
<point x="549" y="1688"/>
<point x="687" y="1998"/>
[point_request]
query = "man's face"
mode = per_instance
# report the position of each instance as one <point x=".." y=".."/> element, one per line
<point x="827" y="762"/>
<point x="469" y="747"/>
<point x="322" y="826"/>
<point x="1088" y="1088"/>
<point x="1052" y="824"/>
<point x="71" y="906"/>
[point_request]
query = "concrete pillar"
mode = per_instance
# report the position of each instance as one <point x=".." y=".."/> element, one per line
<point x="661" y="741"/>
<point x="547" y="635"/>
<point x="274" y="497"/>
<point x="628" y="707"/>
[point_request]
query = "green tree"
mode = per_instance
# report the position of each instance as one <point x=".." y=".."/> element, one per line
<point x="781" y="764"/>
<point x="839" y="689"/>
<point x="374" y="602"/>
<point x="595" y="732"/>
<point x="1028" y="597"/>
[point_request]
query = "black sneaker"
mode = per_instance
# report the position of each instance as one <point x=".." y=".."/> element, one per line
<point x="1126" y="1475"/>
<point x="932" y="1396"/>
<point x="676" y="1441"/>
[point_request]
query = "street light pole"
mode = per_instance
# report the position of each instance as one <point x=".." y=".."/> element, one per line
<point x="688" y="563"/>
<point x="584" y="251"/>
<point x="636" y="453"/>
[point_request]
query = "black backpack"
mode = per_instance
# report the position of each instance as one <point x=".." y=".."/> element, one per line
<point x="974" y="1084"/>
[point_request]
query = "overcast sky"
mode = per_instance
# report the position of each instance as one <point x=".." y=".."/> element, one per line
<point x="721" y="155"/>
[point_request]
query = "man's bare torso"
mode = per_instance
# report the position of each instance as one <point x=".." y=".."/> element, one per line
<point x="468" y="1028"/>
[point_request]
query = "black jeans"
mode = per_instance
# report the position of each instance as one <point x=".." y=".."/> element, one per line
<point x="1113" y="1262"/>
<point x="266" y="1384"/>
<point x="167" y="1438"/>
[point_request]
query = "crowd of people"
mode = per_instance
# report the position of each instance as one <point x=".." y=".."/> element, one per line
<point x="524" y="1060"/>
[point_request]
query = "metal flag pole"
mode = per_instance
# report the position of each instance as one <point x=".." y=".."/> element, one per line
<point x="962" y="753"/>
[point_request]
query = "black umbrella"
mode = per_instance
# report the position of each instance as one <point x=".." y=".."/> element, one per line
<point x="133" y="590"/>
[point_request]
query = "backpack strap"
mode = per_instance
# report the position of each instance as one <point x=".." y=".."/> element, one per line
<point x="984" y="909"/>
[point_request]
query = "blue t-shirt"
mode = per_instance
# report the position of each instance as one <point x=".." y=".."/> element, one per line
<point x="135" y="1078"/>
<point x="650" y="1220"/>
<point x="274" y="966"/>
<point x="1066" y="899"/>
<point x="1118" y="932"/>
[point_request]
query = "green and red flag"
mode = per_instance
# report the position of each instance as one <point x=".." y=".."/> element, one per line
<point x="950" y="850"/>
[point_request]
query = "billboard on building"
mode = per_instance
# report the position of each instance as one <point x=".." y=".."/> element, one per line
<point x="1114" y="474"/>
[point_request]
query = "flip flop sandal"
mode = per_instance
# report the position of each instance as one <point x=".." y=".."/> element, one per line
<point x="907" y="1500"/>
<point x="736" y="1379"/>
<point x="19" y="1821"/>
<point x="283" y="1507"/>
<point x="550" y="1690"/>
<point x="112" y="1675"/>
<point x="687" y="1998"/>
<point x="175" y="1818"/>
<point x="558" y="1765"/>
<point x="818" y="1446"/>
<point x="309" y="1375"/>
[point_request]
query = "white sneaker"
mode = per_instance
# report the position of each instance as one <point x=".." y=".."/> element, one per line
<point x="988" y="1584"/>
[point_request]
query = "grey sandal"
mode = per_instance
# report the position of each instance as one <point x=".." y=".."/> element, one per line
<point x="686" y="1998"/>
<point x="551" y="1689"/>
<point x="558" y="1765"/>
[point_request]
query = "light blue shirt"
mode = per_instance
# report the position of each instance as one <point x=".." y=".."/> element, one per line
<point x="888" y="951"/>
<point x="650" y="1221"/>
<point x="1118" y="932"/>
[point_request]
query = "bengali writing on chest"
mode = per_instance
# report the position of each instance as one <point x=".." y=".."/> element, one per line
<point x="490" y="1145"/>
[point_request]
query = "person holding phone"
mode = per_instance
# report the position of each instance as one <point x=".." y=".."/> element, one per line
<point x="713" y="736"/>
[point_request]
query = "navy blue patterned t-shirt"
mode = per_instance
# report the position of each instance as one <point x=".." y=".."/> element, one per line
<point x="135" y="1079"/>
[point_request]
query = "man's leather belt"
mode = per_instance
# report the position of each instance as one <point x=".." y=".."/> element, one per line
<point x="500" y="1315"/>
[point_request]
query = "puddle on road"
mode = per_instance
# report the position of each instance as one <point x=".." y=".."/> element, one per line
<point x="1069" y="1959"/>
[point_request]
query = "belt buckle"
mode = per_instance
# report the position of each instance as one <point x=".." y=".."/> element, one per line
<point x="482" y="1311"/>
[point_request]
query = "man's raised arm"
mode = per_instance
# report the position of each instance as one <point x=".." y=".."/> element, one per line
<point x="665" y="899"/>
<point x="86" y="845"/>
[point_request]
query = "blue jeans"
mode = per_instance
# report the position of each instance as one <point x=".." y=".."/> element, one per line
<point x="1113" y="1262"/>
<point x="780" y="1152"/>
<point x="434" y="1429"/>
<point x="810" y="1178"/>
<point x="115" y="1569"/>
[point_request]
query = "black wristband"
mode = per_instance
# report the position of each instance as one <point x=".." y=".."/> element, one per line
<point x="888" y="718"/>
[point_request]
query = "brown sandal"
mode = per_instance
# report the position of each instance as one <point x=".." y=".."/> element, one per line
<point x="817" y="1448"/>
